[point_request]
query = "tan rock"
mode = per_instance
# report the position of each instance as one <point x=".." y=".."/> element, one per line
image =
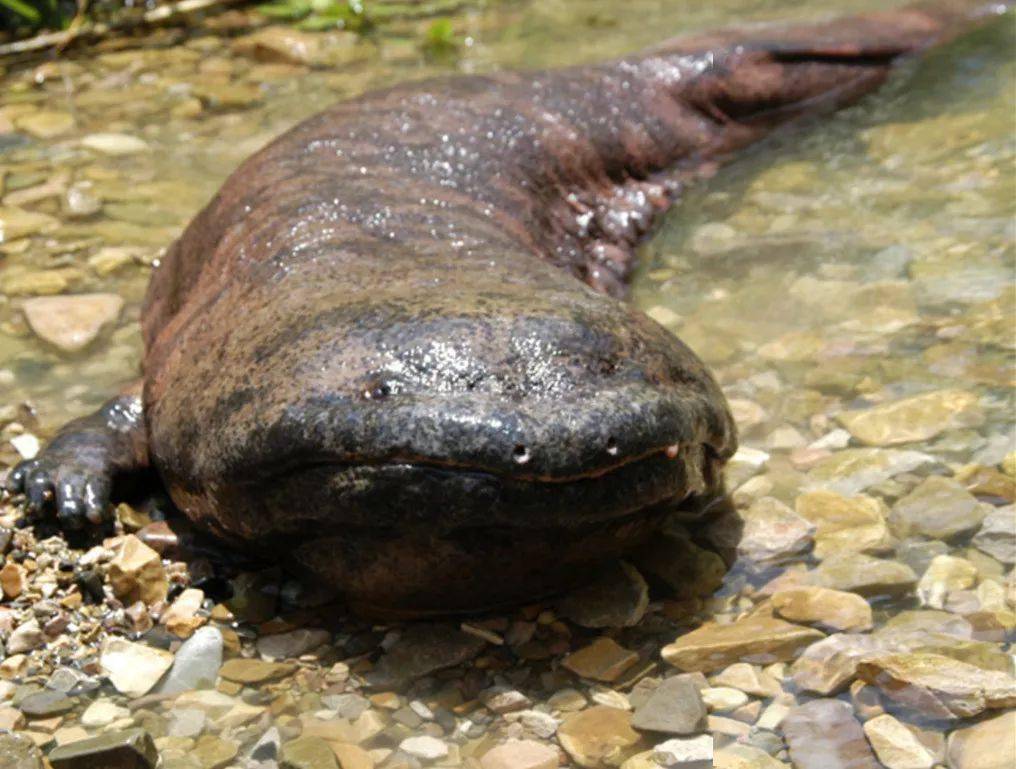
<point x="45" y="124"/>
<point x="71" y="322"/>
<point x="828" y="666"/>
<point x="745" y="757"/>
<point x="136" y="573"/>
<point x="351" y="756"/>
<point x="938" y="686"/>
<point x="602" y="660"/>
<point x="946" y="574"/>
<point x="181" y="618"/>
<point x="133" y="668"/>
<point x="989" y="744"/>
<point x="914" y="419"/>
<point x="773" y="532"/>
<point x="749" y="679"/>
<point x="13" y="579"/>
<point x="519" y="754"/>
<point x="865" y="575"/>
<point x="16" y="223"/>
<point x="938" y="508"/>
<point x="244" y="671"/>
<point x="755" y="639"/>
<point x="896" y="745"/>
<point x="598" y="737"/>
<point x="833" y="609"/>
<point x="845" y="524"/>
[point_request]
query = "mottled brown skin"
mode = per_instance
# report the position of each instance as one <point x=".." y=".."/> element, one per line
<point x="391" y="346"/>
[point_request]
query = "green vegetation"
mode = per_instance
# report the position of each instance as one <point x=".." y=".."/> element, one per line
<point x="36" y="14"/>
<point x="356" y="15"/>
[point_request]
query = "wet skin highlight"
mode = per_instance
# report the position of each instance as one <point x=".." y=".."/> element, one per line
<point x="394" y="347"/>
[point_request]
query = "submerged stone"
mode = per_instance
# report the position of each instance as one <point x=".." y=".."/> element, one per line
<point x="939" y="508"/>
<point x="616" y="598"/>
<point x="845" y="524"/>
<point x="754" y="639"/>
<point x="423" y="648"/>
<point x="131" y="749"/>
<point x="865" y="575"/>
<point x="852" y="471"/>
<point x="824" y="733"/>
<point x="598" y="737"/>
<point x="674" y="707"/>
<point x="773" y="532"/>
<point x="832" y="609"/>
<point x="602" y="660"/>
<point x="18" y="751"/>
<point x="989" y="744"/>
<point x="914" y="419"/>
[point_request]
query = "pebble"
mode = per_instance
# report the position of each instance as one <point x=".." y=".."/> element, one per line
<point x="945" y="574"/>
<point x="136" y="573"/>
<point x="308" y="753"/>
<point x="757" y="639"/>
<point x="939" y="508"/>
<point x="186" y="722"/>
<point x="773" y="532"/>
<point x="12" y="579"/>
<point x="723" y="698"/>
<point x="598" y="737"/>
<point x="196" y="664"/>
<point x="851" y="471"/>
<point x="687" y="753"/>
<point x="616" y="598"/>
<point x="114" y="144"/>
<point x="133" y="668"/>
<point x="865" y="575"/>
<point x="988" y="744"/>
<point x="18" y="751"/>
<point x="422" y="649"/>
<point x="750" y="679"/>
<point x="828" y="609"/>
<point x="997" y="535"/>
<point x="914" y="419"/>
<point x="292" y="644"/>
<point x="519" y="754"/>
<point x="896" y="746"/>
<point x="675" y="707"/>
<point x="828" y="666"/>
<point x="244" y="671"/>
<point x="182" y="617"/>
<point x="424" y="747"/>
<point x="25" y="638"/>
<point x="824" y="733"/>
<point x="71" y="322"/>
<point x="46" y="124"/>
<point x="843" y="524"/>
<point x="745" y="757"/>
<point x="131" y="749"/>
<point x="602" y="660"/>
<point x="938" y="686"/>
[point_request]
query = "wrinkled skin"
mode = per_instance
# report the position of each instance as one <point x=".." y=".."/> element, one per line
<point x="392" y="345"/>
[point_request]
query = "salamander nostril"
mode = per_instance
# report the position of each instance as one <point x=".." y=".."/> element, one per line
<point x="376" y="391"/>
<point x="612" y="446"/>
<point x="520" y="454"/>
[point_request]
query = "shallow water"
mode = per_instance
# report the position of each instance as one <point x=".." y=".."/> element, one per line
<point x="836" y="268"/>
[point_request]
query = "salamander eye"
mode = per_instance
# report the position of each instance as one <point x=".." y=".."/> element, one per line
<point x="612" y="446"/>
<point x="375" y="391"/>
<point x="520" y="454"/>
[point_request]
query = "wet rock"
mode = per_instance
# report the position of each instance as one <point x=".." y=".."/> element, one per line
<point x="674" y="707"/>
<point x="46" y="703"/>
<point x="745" y="757"/>
<point x="422" y="649"/>
<point x="749" y="679"/>
<point x="997" y="535"/>
<point x="214" y="752"/>
<point x="723" y="698"/>
<point x="828" y="666"/>
<point x="985" y="745"/>
<point x="896" y="746"/>
<point x="681" y="567"/>
<point x="616" y="598"/>
<point x="13" y="579"/>
<point x="78" y="202"/>
<point x="688" y="753"/>
<point x="131" y="749"/>
<point x="914" y="419"/>
<point x="945" y="574"/>
<point x="308" y="753"/>
<point x="102" y="713"/>
<point x="865" y="575"/>
<point x="18" y="751"/>
<point x="46" y="124"/>
<point x="292" y="644"/>
<point x="773" y="532"/>
<point x="851" y="471"/>
<point x="598" y="737"/>
<point x="114" y="144"/>
<point x="16" y="223"/>
<point x="424" y="747"/>
<point x="520" y="754"/>
<point x="182" y="617"/>
<point x="759" y="639"/>
<point x="824" y="733"/>
<point x="938" y="686"/>
<point x="133" y="668"/>
<point x="197" y="662"/>
<point x="186" y="722"/>
<point x="939" y="508"/>
<point x="845" y="524"/>
<point x="136" y="573"/>
<point x="25" y="638"/>
<point x="285" y="45"/>
<point x="71" y="322"/>
<point x="602" y="660"/>
<point x="830" y="609"/>
<point x="244" y="671"/>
